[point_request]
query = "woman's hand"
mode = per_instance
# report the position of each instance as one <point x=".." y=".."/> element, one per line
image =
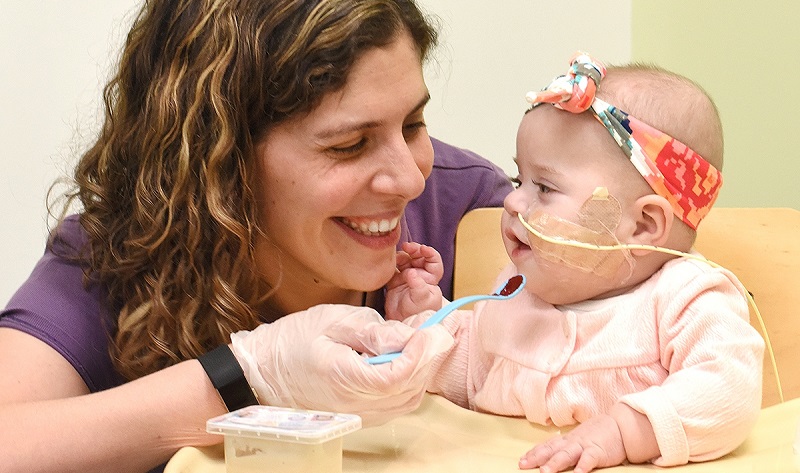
<point x="311" y="360"/>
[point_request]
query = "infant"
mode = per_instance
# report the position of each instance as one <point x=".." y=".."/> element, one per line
<point x="649" y="354"/>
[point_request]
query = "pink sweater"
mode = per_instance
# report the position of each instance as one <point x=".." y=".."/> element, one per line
<point x="678" y="348"/>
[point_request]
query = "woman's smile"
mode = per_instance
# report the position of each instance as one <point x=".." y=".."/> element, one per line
<point x="371" y="227"/>
<point x="366" y="149"/>
<point x="370" y="232"/>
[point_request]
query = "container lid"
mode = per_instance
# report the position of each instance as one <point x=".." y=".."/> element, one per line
<point x="796" y="444"/>
<point x="284" y="424"/>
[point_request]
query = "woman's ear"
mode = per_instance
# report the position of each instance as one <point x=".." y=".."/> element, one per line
<point x="653" y="221"/>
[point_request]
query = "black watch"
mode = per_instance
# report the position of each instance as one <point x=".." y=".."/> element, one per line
<point x="228" y="378"/>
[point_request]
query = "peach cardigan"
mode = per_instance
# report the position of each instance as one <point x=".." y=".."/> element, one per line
<point x="678" y="348"/>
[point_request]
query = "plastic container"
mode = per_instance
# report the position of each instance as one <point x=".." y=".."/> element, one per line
<point x="796" y="448"/>
<point x="283" y="440"/>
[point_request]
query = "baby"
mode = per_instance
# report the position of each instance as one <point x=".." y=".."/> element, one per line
<point x="650" y="353"/>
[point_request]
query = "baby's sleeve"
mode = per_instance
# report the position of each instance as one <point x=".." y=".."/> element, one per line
<point x="712" y="396"/>
<point x="450" y="371"/>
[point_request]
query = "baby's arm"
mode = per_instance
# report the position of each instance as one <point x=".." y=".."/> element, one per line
<point x="711" y="398"/>
<point x="414" y="289"/>
<point x="600" y="442"/>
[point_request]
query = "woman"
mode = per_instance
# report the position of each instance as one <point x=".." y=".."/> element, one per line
<point x="256" y="161"/>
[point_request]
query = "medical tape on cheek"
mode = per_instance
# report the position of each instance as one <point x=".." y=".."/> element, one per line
<point x="598" y="218"/>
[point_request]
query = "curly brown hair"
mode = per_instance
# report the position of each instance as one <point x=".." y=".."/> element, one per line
<point x="167" y="191"/>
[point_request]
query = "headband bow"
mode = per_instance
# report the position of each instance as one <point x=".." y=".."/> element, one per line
<point x="689" y="182"/>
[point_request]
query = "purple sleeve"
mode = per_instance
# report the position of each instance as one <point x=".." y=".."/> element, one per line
<point x="461" y="181"/>
<point x="54" y="306"/>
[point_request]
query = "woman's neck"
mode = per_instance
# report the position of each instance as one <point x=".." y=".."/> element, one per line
<point x="290" y="298"/>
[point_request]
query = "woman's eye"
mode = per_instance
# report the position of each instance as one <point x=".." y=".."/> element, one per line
<point x="412" y="128"/>
<point x="351" y="149"/>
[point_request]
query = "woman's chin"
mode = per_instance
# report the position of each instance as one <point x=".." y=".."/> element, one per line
<point x="370" y="279"/>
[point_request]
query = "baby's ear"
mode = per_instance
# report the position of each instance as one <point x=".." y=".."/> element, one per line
<point x="654" y="220"/>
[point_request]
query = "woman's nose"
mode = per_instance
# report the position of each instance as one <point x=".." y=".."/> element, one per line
<point x="404" y="168"/>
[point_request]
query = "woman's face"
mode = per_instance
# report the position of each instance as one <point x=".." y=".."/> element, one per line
<point x="333" y="184"/>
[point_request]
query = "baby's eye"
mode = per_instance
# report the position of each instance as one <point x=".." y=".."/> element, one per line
<point x="544" y="189"/>
<point x="515" y="181"/>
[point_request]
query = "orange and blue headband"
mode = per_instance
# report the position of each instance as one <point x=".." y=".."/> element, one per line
<point x="689" y="182"/>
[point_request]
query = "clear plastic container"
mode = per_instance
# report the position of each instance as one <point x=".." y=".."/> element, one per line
<point x="796" y="448"/>
<point x="283" y="440"/>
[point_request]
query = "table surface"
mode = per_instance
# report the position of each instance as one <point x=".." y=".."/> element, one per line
<point x="760" y="246"/>
<point x="442" y="437"/>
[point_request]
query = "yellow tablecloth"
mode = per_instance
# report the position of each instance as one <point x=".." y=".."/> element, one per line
<point x="442" y="437"/>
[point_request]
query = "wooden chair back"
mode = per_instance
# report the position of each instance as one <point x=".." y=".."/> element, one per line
<point x="760" y="245"/>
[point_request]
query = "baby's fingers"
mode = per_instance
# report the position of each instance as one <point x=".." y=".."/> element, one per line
<point x="552" y="456"/>
<point x="589" y="460"/>
<point x="403" y="260"/>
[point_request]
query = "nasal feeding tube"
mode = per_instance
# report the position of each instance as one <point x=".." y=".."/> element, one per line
<point x="568" y="240"/>
<point x="598" y="218"/>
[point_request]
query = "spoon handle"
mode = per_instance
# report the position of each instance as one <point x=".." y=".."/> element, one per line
<point x="384" y="358"/>
<point x="434" y="319"/>
<point x="440" y="314"/>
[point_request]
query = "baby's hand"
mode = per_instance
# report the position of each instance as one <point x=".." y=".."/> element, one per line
<point x="414" y="288"/>
<point x="596" y="443"/>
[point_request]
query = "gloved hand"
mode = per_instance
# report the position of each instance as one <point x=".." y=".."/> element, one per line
<point x="311" y="360"/>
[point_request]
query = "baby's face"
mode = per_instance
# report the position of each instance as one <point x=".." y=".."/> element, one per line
<point x="563" y="159"/>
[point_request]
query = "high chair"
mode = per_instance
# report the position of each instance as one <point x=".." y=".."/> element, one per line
<point x="760" y="245"/>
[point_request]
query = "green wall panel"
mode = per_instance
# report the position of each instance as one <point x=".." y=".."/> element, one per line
<point x="747" y="56"/>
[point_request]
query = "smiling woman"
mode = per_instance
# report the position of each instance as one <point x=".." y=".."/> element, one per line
<point x="367" y="152"/>
<point x="259" y="163"/>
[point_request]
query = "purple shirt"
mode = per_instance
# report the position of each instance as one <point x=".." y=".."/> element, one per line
<point x="461" y="181"/>
<point x="54" y="306"/>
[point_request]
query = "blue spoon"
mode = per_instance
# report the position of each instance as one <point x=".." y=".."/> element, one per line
<point x="511" y="288"/>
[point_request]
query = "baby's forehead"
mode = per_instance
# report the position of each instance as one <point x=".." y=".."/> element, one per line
<point x="579" y="137"/>
<point x="574" y="146"/>
<point x="545" y="120"/>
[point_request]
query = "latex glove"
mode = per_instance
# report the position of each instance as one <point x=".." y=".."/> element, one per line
<point x="311" y="360"/>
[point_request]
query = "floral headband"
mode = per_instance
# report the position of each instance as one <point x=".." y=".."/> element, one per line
<point x="689" y="182"/>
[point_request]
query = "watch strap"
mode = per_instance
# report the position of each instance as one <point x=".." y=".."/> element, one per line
<point x="226" y="375"/>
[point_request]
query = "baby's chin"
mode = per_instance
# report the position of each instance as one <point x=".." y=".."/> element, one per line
<point x="568" y="286"/>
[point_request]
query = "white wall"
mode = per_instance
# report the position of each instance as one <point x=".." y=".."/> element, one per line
<point x="54" y="60"/>
<point x="55" y="57"/>
<point x="491" y="56"/>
